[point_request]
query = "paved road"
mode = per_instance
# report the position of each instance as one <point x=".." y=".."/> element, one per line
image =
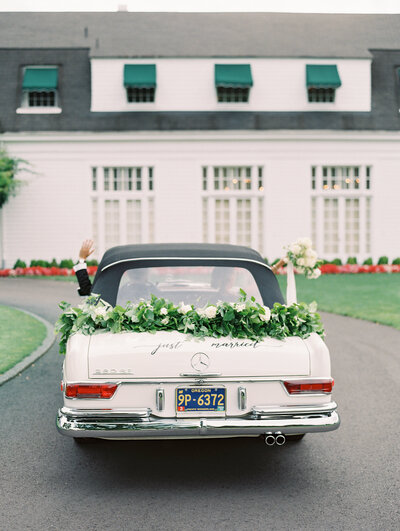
<point x="348" y="479"/>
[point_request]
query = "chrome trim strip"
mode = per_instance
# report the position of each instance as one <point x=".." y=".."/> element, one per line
<point x="160" y="399"/>
<point x="294" y="410"/>
<point x="148" y="258"/>
<point x="140" y="413"/>
<point x="153" y="427"/>
<point x="200" y="375"/>
<point x="242" y="396"/>
<point x="178" y="379"/>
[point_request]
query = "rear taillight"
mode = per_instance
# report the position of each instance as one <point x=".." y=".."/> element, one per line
<point x="90" y="390"/>
<point x="297" y="387"/>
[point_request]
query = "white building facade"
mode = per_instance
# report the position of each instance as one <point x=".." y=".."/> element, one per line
<point x="257" y="160"/>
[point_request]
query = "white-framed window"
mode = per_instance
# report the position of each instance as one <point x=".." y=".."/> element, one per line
<point x="321" y="95"/>
<point x="232" y="205"/>
<point x="122" y="205"/>
<point x="341" y="210"/>
<point x="233" y="94"/>
<point x="140" y="95"/>
<point x="39" y="87"/>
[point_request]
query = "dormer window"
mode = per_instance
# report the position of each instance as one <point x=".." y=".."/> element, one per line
<point x="322" y="82"/>
<point x="233" y="83"/>
<point x="40" y="87"/>
<point x="140" y="83"/>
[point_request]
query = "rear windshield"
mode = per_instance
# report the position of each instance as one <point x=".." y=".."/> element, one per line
<point x="197" y="285"/>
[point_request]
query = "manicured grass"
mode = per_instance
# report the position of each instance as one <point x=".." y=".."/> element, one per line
<point x="20" y="334"/>
<point x="374" y="297"/>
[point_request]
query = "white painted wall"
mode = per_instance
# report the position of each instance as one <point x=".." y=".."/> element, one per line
<point x="51" y="215"/>
<point x="188" y="85"/>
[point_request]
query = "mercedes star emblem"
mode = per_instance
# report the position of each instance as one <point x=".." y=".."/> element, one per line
<point x="200" y="361"/>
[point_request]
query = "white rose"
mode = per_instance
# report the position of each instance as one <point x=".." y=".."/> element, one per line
<point x="295" y="249"/>
<point x="301" y="262"/>
<point x="101" y="312"/>
<point x="309" y="262"/>
<point x="310" y="253"/>
<point x="265" y="316"/>
<point x="210" y="312"/>
<point x="163" y="311"/>
<point x="316" y="273"/>
<point x="184" y="308"/>
<point x="306" y="242"/>
<point x="165" y="320"/>
<point x="240" y="307"/>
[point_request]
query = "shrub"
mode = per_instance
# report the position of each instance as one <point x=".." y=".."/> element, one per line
<point x="396" y="261"/>
<point x="96" y="263"/>
<point x="38" y="263"/>
<point x="351" y="260"/>
<point x="67" y="262"/>
<point x="383" y="260"/>
<point x="336" y="261"/>
<point x="19" y="263"/>
<point x="368" y="261"/>
<point x="54" y="263"/>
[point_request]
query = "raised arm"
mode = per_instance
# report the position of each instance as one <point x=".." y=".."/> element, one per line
<point x="85" y="286"/>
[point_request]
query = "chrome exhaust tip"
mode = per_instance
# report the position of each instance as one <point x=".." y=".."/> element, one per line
<point x="269" y="439"/>
<point x="280" y="439"/>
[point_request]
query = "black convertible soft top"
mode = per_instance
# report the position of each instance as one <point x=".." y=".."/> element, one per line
<point x="119" y="259"/>
<point x="177" y="250"/>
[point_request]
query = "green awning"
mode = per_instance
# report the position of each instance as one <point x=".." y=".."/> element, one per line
<point x="233" y="76"/>
<point x="322" y="76"/>
<point x="40" y="79"/>
<point x="142" y="76"/>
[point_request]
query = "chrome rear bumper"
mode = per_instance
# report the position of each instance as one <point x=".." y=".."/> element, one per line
<point x="139" y="424"/>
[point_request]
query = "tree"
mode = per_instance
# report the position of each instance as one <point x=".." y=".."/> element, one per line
<point x="9" y="168"/>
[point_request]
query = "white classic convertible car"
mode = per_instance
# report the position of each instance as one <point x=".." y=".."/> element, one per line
<point x="170" y="384"/>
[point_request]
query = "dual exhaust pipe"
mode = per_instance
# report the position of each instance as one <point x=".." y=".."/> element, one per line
<point x="275" y="438"/>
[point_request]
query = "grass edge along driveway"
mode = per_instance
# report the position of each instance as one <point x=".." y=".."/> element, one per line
<point x="372" y="297"/>
<point x="20" y="335"/>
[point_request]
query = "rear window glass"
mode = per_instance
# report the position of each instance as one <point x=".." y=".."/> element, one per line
<point x="197" y="285"/>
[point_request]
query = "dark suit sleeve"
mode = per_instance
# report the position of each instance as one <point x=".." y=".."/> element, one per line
<point x="85" y="286"/>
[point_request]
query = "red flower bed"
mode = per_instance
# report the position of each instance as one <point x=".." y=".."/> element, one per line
<point x="326" y="269"/>
<point x="39" y="271"/>
<point x="329" y="269"/>
<point x="333" y="269"/>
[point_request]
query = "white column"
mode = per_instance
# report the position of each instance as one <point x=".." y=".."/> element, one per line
<point x="211" y="219"/>
<point x="362" y="227"/>
<point x="254" y="223"/>
<point x="232" y="219"/>
<point x="341" y="226"/>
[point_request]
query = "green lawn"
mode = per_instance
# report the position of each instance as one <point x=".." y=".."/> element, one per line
<point x="374" y="297"/>
<point x="20" y="334"/>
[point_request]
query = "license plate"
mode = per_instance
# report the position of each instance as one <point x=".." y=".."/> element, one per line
<point x="200" y="399"/>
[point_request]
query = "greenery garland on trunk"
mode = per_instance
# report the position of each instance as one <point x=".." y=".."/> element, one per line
<point x="245" y="319"/>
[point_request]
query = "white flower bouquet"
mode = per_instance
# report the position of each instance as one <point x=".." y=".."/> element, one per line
<point x="303" y="257"/>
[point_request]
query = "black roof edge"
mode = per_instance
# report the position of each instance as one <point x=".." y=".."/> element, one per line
<point x="178" y="250"/>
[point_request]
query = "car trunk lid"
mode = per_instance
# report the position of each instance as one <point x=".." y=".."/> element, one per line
<point x="172" y="354"/>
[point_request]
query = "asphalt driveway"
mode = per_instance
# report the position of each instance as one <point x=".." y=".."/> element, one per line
<point x="347" y="479"/>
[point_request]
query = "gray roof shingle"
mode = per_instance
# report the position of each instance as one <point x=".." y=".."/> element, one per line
<point x="128" y="34"/>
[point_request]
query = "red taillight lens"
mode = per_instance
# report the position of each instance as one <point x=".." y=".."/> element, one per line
<point x="90" y="390"/>
<point x="296" y="387"/>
